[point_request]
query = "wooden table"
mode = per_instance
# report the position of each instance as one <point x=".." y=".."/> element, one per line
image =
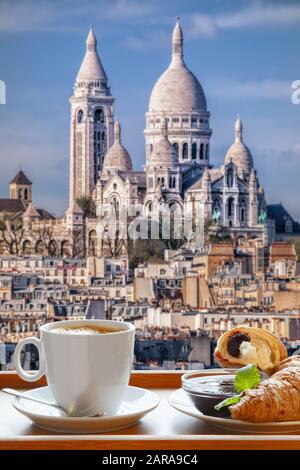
<point x="164" y="428"/>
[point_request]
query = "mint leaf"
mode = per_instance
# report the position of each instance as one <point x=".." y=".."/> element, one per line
<point x="247" y="377"/>
<point x="228" y="401"/>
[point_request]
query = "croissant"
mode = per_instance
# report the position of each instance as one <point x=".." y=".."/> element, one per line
<point x="274" y="399"/>
<point x="248" y="345"/>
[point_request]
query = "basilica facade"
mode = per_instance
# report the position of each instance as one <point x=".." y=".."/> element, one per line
<point x="178" y="170"/>
<point x="178" y="167"/>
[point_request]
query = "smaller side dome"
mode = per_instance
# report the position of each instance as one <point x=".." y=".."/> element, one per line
<point x="163" y="153"/>
<point x="117" y="157"/>
<point x="239" y="153"/>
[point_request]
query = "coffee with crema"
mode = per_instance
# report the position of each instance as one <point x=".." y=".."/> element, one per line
<point x="87" y="363"/>
<point x="84" y="330"/>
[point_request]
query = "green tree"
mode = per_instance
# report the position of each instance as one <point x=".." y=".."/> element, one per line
<point x="87" y="204"/>
<point x="142" y="250"/>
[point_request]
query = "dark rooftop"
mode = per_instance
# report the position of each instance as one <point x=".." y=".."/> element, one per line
<point x="278" y="213"/>
<point x="11" y="205"/>
<point x="20" y="178"/>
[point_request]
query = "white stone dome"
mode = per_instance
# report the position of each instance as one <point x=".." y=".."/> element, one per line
<point x="239" y="153"/>
<point x="117" y="157"/>
<point x="177" y="89"/>
<point x="91" y="67"/>
<point x="163" y="153"/>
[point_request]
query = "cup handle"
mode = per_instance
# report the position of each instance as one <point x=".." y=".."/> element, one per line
<point x="28" y="376"/>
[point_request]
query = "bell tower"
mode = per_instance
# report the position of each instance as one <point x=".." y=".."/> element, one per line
<point x="20" y="187"/>
<point x="92" y="121"/>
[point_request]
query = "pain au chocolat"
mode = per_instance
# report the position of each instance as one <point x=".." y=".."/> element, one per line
<point x="248" y="345"/>
<point x="274" y="399"/>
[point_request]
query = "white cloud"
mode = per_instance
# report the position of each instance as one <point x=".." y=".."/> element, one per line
<point x="261" y="15"/>
<point x="24" y="15"/>
<point x="201" y="26"/>
<point x="48" y="15"/>
<point x="258" y="15"/>
<point x="148" y="40"/>
<point x="124" y="9"/>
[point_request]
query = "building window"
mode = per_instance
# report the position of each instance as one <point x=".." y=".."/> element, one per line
<point x="184" y="151"/>
<point x="230" y="178"/>
<point x="172" y="182"/>
<point x="194" y="151"/>
<point x="176" y="148"/>
<point x="242" y="214"/>
<point x="99" y="116"/>
<point x="288" y="226"/>
<point x="80" y="116"/>
<point x="243" y="211"/>
<point x="150" y="182"/>
<point x="207" y="152"/>
<point x="201" y="151"/>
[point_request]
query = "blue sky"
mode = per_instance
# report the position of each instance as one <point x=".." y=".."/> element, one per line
<point x="245" y="54"/>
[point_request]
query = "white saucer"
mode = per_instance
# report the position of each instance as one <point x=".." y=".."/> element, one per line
<point x="181" y="402"/>
<point x="136" y="403"/>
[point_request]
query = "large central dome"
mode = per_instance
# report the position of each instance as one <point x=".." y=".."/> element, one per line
<point x="177" y="90"/>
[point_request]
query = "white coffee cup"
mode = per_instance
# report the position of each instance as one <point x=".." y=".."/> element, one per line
<point x="87" y="373"/>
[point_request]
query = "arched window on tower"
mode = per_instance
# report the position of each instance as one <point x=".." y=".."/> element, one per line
<point x="99" y="115"/>
<point x="80" y="116"/>
<point x="185" y="151"/>
<point x="207" y="152"/>
<point x="201" y="151"/>
<point x="194" y="151"/>
<point x="176" y="148"/>
<point x="229" y="178"/>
